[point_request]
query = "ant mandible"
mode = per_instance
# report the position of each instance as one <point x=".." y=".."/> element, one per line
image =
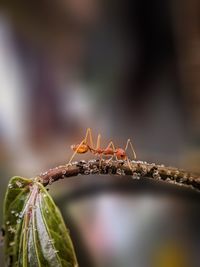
<point x="110" y="150"/>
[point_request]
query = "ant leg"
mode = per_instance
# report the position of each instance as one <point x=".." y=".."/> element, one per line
<point x="89" y="133"/>
<point x="75" y="152"/>
<point x="98" y="141"/>
<point x="100" y="160"/>
<point x="97" y="147"/>
<point x="129" y="163"/>
<point x="132" y="149"/>
<point x="111" y="144"/>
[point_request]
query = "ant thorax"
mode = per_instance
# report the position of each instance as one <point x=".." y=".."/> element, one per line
<point x="108" y="151"/>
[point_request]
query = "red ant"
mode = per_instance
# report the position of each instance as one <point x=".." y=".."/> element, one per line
<point x="110" y="150"/>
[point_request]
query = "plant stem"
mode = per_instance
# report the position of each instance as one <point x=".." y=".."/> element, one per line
<point x="138" y="170"/>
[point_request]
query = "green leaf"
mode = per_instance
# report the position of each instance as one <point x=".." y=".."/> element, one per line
<point x="35" y="233"/>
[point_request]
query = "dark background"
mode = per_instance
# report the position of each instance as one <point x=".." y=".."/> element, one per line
<point x="127" y="69"/>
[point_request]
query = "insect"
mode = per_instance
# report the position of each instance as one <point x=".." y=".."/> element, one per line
<point x="87" y="145"/>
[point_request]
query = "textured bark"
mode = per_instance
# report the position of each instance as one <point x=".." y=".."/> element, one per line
<point x="138" y="170"/>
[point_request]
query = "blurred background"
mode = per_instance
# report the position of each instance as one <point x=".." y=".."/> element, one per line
<point x="127" y="69"/>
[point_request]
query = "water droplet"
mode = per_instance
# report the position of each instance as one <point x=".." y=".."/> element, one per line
<point x="11" y="243"/>
<point x="11" y="230"/>
<point x="119" y="171"/>
<point x="19" y="184"/>
<point x="156" y="174"/>
<point x="20" y="214"/>
<point x="10" y="186"/>
<point x="50" y="180"/>
<point x="136" y="175"/>
<point x="168" y="172"/>
<point x="144" y="171"/>
<point x="184" y="178"/>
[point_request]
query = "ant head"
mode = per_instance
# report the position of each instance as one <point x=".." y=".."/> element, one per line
<point x="120" y="153"/>
<point x="83" y="148"/>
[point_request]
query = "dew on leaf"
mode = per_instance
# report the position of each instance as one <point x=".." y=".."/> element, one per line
<point x="20" y="214"/>
<point x="11" y="243"/>
<point x="19" y="184"/>
<point x="11" y="230"/>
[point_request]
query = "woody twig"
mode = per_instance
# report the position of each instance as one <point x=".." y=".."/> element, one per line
<point x="138" y="170"/>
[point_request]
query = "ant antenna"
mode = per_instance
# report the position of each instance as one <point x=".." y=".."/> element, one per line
<point x="75" y="152"/>
<point x="89" y="133"/>
<point x="84" y="141"/>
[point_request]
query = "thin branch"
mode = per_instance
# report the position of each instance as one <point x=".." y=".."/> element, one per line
<point x="139" y="170"/>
